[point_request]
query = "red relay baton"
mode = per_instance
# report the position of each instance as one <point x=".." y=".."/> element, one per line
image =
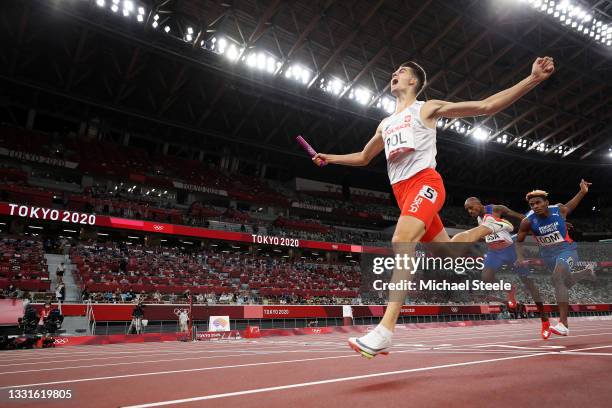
<point x="309" y="149"/>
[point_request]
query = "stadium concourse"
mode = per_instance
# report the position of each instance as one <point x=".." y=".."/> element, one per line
<point x="193" y="203"/>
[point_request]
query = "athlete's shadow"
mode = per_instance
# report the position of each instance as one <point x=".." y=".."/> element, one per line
<point x="382" y="386"/>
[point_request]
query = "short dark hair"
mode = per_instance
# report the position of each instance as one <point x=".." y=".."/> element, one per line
<point x="419" y="72"/>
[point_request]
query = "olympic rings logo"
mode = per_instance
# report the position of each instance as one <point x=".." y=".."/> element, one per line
<point x="454" y="309"/>
<point x="158" y="227"/>
<point x="60" y="340"/>
<point x="178" y="311"/>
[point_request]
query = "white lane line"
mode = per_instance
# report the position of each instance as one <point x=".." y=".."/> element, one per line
<point x="78" y="380"/>
<point x="522" y="347"/>
<point x="590" y="348"/>
<point x="523" y="340"/>
<point x="271" y="349"/>
<point x="172" y="348"/>
<point x="510" y="334"/>
<point x="321" y="382"/>
<point x="245" y="353"/>
<point x="229" y="347"/>
<point x="159" y="361"/>
<point x="125" y="354"/>
<point x="580" y="353"/>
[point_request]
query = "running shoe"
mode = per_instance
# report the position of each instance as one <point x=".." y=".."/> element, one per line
<point x="559" y="329"/>
<point x="370" y="345"/>
<point x="546" y="330"/>
<point x="496" y="225"/>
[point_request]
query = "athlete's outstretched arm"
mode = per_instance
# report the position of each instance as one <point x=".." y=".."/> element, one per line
<point x="541" y="70"/>
<point x="573" y="203"/>
<point x="505" y="211"/>
<point x="362" y="158"/>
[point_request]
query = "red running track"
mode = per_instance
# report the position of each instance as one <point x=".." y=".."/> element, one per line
<point x="480" y="366"/>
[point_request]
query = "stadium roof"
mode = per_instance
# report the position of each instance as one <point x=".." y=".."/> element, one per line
<point x="257" y="73"/>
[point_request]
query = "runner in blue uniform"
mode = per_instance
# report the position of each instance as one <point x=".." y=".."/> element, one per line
<point x="502" y="251"/>
<point x="558" y="251"/>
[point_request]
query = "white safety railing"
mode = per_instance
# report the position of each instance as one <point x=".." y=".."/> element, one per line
<point x="91" y="318"/>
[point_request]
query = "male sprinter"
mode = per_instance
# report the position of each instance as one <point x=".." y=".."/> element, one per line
<point x="408" y="138"/>
<point x="503" y="252"/>
<point x="558" y="251"/>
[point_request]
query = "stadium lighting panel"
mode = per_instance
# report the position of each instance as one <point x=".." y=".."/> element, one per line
<point x="298" y="73"/>
<point x="128" y="5"/>
<point x="272" y="65"/>
<point x="221" y="45"/>
<point x="480" y="134"/>
<point x="363" y="95"/>
<point x="332" y="85"/>
<point x="251" y="60"/>
<point x="189" y="35"/>
<point x="100" y="3"/>
<point x="502" y="139"/>
<point x="573" y="16"/>
<point x="387" y="104"/>
<point x="262" y="62"/>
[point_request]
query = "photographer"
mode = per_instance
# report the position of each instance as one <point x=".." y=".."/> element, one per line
<point x="29" y="322"/>
<point x="53" y="321"/>
<point x="137" y="318"/>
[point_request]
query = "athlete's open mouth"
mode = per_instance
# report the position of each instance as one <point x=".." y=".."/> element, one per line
<point x="394" y="81"/>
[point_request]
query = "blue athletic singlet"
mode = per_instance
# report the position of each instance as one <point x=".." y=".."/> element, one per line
<point x="551" y="235"/>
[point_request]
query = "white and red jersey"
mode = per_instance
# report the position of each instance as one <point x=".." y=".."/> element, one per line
<point x="499" y="240"/>
<point x="410" y="146"/>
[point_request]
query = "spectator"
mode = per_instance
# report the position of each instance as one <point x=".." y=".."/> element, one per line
<point x="59" y="273"/>
<point x="184" y="321"/>
<point x="137" y="319"/>
<point x="60" y="294"/>
<point x="85" y="295"/>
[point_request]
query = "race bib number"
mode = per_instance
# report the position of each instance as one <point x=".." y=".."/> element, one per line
<point x="493" y="238"/>
<point x="429" y="193"/>
<point x="550" y="239"/>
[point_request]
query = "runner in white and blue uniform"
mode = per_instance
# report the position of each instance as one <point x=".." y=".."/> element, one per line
<point x="502" y="251"/>
<point x="558" y="251"/>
